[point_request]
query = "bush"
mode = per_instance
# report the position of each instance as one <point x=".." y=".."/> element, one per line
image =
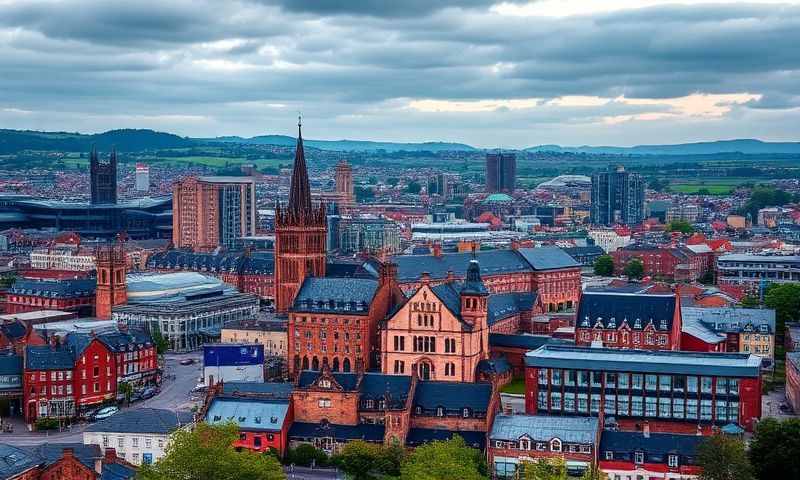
<point x="304" y="455"/>
<point x="46" y="424"/>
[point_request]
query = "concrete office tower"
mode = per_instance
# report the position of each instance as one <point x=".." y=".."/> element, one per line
<point x="617" y="197"/>
<point x="211" y="212"/>
<point x="142" y="177"/>
<point x="501" y="172"/>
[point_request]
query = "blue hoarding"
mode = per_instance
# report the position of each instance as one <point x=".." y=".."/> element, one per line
<point x="232" y="355"/>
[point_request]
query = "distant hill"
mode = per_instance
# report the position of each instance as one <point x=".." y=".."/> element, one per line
<point x="346" y="145"/>
<point x="127" y="140"/>
<point x="746" y="146"/>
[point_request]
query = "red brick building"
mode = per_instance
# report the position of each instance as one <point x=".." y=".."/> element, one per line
<point x="63" y="461"/>
<point x="300" y="236"/>
<point x="629" y="320"/>
<point x="334" y="322"/>
<point x="66" y="377"/>
<point x="680" y="264"/>
<point x="70" y="295"/>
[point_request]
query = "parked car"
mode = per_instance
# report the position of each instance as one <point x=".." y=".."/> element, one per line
<point x="187" y="361"/>
<point x="148" y="392"/>
<point x="104" y="413"/>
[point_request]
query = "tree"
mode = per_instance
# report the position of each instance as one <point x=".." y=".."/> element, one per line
<point x="413" y="188"/>
<point x="604" y="266"/>
<point x="206" y="453"/>
<point x="785" y="300"/>
<point x="723" y="458"/>
<point x="634" y="269"/>
<point x="306" y="455"/>
<point x="553" y="469"/>
<point x="704" y="191"/>
<point x="363" y="193"/>
<point x="680" y="226"/>
<point x="161" y="343"/>
<point x="765" y="196"/>
<point x="707" y="278"/>
<point x="749" y="301"/>
<point x="445" y="460"/>
<point x="392" y="181"/>
<point x="775" y="449"/>
<point x="360" y="460"/>
<point x="126" y="390"/>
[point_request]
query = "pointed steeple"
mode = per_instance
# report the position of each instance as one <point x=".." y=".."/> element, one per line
<point x="300" y="192"/>
<point x="473" y="284"/>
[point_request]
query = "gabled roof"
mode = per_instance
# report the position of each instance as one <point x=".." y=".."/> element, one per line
<point x="13" y="330"/>
<point x="66" y="288"/>
<point x="143" y="420"/>
<point x="453" y="395"/>
<point x="543" y="428"/>
<point x="16" y="460"/>
<point x="43" y="357"/>
<point x="732" y="319"/>
<point x="53" y="452"/>
<point x="350" y="296"/>
<point x="611" y="309"/>
<point x="250" y="414"/>
<point x="548" y="258"/>
<point x="375" y="386"/>
<point x="348" y="381"/>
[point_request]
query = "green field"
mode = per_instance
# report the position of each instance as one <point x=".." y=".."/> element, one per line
<point x="515" y="386"/>
<point x="715" y="186"/>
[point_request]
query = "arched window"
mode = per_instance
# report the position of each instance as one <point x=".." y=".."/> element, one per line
<point x="419" y="319"/>
<point x="425" y="371"/>
<point x="305" y="363"/>
<point x="440" y="411"/>
<point x="346" y="365"/>
<point x="315" y="363"/>
<point x="524" y="444"/>
<point x="297" y="362"/>
<point x="325" y="363"/>
<point x="555" y="445"/>
<point x="336" y="364"/>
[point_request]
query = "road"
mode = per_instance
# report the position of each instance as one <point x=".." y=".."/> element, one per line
<point x="174" y="396"/>
<point x="302" y="473"/>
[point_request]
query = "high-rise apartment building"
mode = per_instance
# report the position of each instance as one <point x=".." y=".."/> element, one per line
<point x="103" y="176"/>
<point x="617" y="197"/>
<point x="501" y="172"/>
<point x="211" y="212"/>
<point x="142" y="177"/>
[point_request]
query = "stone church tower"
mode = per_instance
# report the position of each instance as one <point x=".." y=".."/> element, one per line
<point x="112" y="286"/>
<point x="300" y="232"/>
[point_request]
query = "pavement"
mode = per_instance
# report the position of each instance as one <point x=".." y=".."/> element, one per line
<point x="303" y="473"/>
<point x="771" y="402"/>
<point x="174" y="396"/>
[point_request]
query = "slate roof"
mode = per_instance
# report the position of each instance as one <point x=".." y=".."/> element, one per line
<point x="364" y="431"/>
<point x="348" y="381"/>
<point x="543" y="428"/>
<point x="730" y="319"/>
<point x="493" y="262"/>
<point x="67" y="288"/>
<point x="10" y="365"/>
<point x="612" y="309"/>
<point x="644" y="361"/>
<point x="249" y="414"/>
<point x="548" y="258"/>
<point x="420" y="436"/>
<point x="265" y="389"/>
<point x="262" y="263"/>
<point x="118" y="341"/>
<point x="375" y="386"/>
<point x="351" y="296"/>
<point x="43" y="357"/>
<point x="526" y="341"/>
<point x="453" y="395"/>
<point x="13" y="329"/>
<point x="450" y="295"/>
<point x="504" y="305"/>
<point x="15" y="460"/>
<point x="494" y="366"/>
<point x="52" y="452"/>
<point x="694" y="327"/>
<point x="658" y="444"/>
<point x="117" y="471"/>
<point x="143" y="420"/>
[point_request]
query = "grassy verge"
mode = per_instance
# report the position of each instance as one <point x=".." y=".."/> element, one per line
<point x="517" y="385"/>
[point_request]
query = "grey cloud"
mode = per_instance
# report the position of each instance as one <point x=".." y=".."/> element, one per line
<point x="379" y="8"/>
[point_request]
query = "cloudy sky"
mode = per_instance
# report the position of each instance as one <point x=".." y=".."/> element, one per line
<point x="511" y="74"/>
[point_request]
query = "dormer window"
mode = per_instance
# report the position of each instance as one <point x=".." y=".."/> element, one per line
<point x="257" y="419"/>
<point x="440" y="411"/>
<point x="672" y="461"/>
<point x="465" y="413"/>
<point x="555" y="445"/>
<point x="524" y="444"/>
<point x="325" y="383"/>
<point x="609" y="455"/>
<point x="369" y="404"/>
<point x="418" y="410"/>
<point x="638" y="458"/>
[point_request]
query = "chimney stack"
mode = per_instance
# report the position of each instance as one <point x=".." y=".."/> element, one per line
<point x="425" y="278"/>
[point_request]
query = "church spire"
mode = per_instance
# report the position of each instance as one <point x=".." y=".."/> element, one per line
<point x="300" y="192"/>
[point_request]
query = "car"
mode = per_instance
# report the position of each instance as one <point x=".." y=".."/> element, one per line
<point x="104" y="413"/>
<point x="148" y="392"/>
<point x="187" y="361"/>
